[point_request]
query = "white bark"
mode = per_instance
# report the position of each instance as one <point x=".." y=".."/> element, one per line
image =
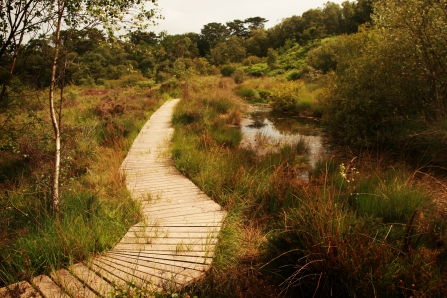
<point x="54" y="118"/>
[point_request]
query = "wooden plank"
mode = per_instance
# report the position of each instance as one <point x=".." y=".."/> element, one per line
<point x="176" y="225"/>
<point x="19" y="290"/>
<point x="121" y="280"/>
<point x="167" y="254"/>
<point x="152" y="269"/>
<point x="90" y="278"/>
<point x="131" y="276"/>
<point x="158" y="257"/>
<point x="161" y="264"/>
<point x="172" y="235"/>
<point x="178" y="274"/>
<point x="169" y="240"/>
<point x="48" y="288"/>
<point x="191" y="213"/>
<point x="71" y="284"/>
<point x="176" y="198"/>
<point x="188" y="214"/>
<point x="182" y="207"/>
<point x="166" y="231"/>
<point x="177" y="248"/>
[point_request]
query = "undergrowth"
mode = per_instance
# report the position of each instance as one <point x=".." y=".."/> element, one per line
<point x="98" y="127"/>
<point x="358" y="228"/>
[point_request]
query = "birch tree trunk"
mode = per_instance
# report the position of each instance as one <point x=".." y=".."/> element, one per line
<point x="54" y="118"/>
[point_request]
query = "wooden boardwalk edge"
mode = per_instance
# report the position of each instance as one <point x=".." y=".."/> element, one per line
<point x="170" y="248"/>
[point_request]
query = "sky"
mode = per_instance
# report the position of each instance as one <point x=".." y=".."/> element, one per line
<point x="183" y="16"/>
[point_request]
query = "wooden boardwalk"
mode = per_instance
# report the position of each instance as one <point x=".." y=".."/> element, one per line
<point x="171" y="247"/>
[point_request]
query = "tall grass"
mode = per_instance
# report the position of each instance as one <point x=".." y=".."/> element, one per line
<point x="366" y="232"/>
<point x="98" y="127"/>
<point x="358" y="236"/>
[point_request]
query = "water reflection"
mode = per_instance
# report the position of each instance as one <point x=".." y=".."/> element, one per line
<point x="265" y="131"/>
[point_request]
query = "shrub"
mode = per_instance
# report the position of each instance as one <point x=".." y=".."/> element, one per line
<point x="327" y="249"/>
<point x="170" y="85"/>
<point x="239" y="76"/>
<point x="227" y="70"/>
<point x="131" y="80"/>
<point x="276" y="72"/>
<point x="247" y="93"/>
<point x="87" y="81"/>
<point x="323" y="58"/>
<point x="285" y="96"/>
<point x="293" y="75"/>
<point x="257" y="70"/>
<point x="148" y="84"/>
<point x="251" y="60"/>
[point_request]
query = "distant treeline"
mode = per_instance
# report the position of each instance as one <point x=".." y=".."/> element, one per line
<point x="91" y="57"/>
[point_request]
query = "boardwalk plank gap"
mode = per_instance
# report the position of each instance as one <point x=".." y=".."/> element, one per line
<point x="171" y="247"/>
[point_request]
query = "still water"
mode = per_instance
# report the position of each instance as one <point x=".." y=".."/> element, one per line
<point x="265" y="132"/>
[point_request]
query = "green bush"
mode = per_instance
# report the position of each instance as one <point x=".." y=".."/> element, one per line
<point x="293" y="75"/>
<point x="239" y="76"/>
<point x="264" y="94"/>
<point x="131" y="80"/>
<point x="247" y="93"/>
<point x="324" y="57"/>
<point x="148" y="84"/>
<point x="251" y="60"/>
<point x="257" y="70"/>
<point x="169" y="85"/>
<point x="227" y="70"/>
<point x="285" y="96"/>
<point x="87" y="81"/>
<point x="372" y="99"/>
<point x="276" y="72"/>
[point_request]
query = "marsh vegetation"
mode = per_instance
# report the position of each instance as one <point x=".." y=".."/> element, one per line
<point x="368" y="220"/>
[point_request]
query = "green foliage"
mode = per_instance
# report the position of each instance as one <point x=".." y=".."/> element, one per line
<point x="285" y="96"/>
<point x="293" y="75"/>
<point x="170" y="85"/>
<point x="239" y="76"/>
<point x="250" y="60"/>
<point x="276" y="72"/>
<point x="326" y="247"/>
<point x="369" y="101"/>
<point x="227" y="70"/>
<point x="85" y="225"/>
<point x="147" y="84"/>
<point x="132" y="80"/>
<point x="272" y="59"/>
<point x="229" y="51"/>
<point x="391" y="198"/>
<point x="99" y="126"/>
<point x="257" y="70"/>
<point x="247" y="93"/>
<point x="293" y="57"/>
<point x="324" y="57"/>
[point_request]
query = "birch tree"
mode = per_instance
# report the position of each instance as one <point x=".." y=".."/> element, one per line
<point x="112" y="16"/>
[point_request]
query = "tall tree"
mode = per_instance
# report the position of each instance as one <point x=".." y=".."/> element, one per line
<point x="255" y="23"/>
<point x="419" y="28"/>
<point x="237" y="28"/>
<point x="112" y="15"/>
<point x="211" y="34"/>
<point x="17" y="19"/>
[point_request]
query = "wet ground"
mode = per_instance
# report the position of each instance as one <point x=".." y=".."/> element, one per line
<point x="266" y="131"/>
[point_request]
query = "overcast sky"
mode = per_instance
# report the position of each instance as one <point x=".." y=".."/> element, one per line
<point x="183" y="16"/>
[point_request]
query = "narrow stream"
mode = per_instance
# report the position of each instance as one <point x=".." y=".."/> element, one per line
<point x="265" y="132"/>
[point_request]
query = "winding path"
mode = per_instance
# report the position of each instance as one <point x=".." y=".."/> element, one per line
<point x="171" y="247"/>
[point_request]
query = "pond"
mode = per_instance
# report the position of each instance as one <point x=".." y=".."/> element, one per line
<point x="265" y="131"/>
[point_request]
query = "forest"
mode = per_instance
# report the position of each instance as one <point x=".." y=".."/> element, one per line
<point x="79" y="80"/>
